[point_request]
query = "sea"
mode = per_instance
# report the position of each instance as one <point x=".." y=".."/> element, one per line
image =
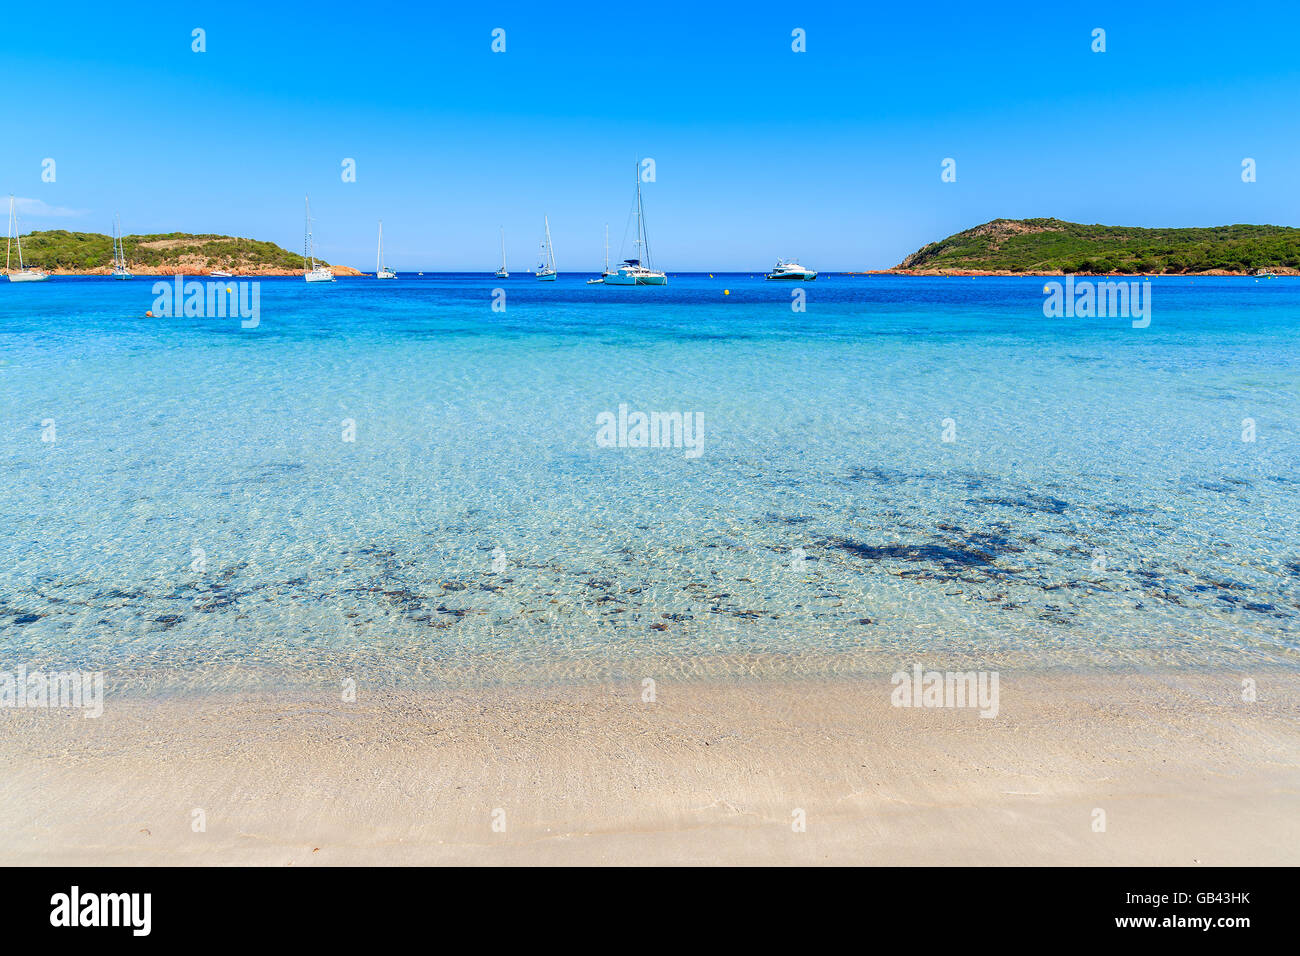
<point x="455" y="480"/>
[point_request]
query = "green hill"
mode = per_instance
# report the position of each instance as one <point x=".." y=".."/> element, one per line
<point x="63" y="251"/>
<point x="1053" y="245"/>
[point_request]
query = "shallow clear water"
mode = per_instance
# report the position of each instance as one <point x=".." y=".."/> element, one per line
<point x="199" y="511"/>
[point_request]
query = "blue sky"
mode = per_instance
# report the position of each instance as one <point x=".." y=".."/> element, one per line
<point x="832" y="155"/>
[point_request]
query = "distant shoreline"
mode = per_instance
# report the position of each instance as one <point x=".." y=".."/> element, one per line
<point x="1058" y="247"/>
<point x="61" y="253"/>
<point x="351" y="273"/>
<point x="169" y="271"/>
<point x="1281" y="271"/>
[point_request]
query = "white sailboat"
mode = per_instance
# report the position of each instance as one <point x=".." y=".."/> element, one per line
<point x="23" y="274"/>
<point x="502" y="273"/>
<point x="546" y="265"/>
<point x="120" y="271"/>
<point x="605" y="273"/>
<point x="311" y="271"/>
<point x="638" y="270"/>
<point x="380" y="271"/>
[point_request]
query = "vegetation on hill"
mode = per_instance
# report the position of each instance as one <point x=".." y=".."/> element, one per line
<point x="1053" y="245"/>
<point x="66" y="251"/>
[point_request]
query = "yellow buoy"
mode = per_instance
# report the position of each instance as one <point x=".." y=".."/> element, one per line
<point x="726" y="292"/>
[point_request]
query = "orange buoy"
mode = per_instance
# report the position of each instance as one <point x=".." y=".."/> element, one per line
<point x="149" y="314"/>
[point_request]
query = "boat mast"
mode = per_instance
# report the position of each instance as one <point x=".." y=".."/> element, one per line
<point x="550" y="249"/>
<point x="639" y="228"/>
<point x="9" y="243"/>
<point x="645" y="238"/>
<point x="379" y="258"/>
<point x="308" y="253"/>
<point x="18" y="239"/>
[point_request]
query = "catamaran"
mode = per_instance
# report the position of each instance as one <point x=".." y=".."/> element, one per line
<point x="790" y="271"/>
<point x="23" y="274"/>
<point x="380" y="271"/>
<point x="633" y="271"/>
<point x="605" y="273"/>
<point x="311" y="271"/>
<point x="546" y="263"/>
<point x="502" y="273"/>
<point x="120" y="271"/>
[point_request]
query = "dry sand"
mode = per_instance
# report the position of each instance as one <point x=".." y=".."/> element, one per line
<point x="1185" y="771"/>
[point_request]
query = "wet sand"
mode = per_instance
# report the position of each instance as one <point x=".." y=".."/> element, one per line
<point x="1185" y="771"/>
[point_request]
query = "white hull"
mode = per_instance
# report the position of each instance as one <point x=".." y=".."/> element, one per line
<point x="27" y="275"/>
<point x="320" y="274"/>
<point x="385" y="274"/>
<point x="640" y="277"/>
<point x="787" y="270"/>
<point x="221" y="275"/>
<point x="123" y="275"/>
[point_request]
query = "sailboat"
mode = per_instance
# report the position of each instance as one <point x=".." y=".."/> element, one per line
<point x="633" y="271"/>
<point x="546" y="265"/>
<point x="23" y="274"/>
<point x="120" y="271"/>
<point x="380" y="271"/>
<point x="502" y="273"/>
<point x="605" y="273"/>
<point x="311" y="271"/>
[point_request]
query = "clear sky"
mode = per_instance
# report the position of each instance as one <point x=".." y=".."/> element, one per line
<point x="832" y="155"/>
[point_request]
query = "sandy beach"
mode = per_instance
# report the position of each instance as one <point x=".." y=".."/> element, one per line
<point x="1185" y="771"/>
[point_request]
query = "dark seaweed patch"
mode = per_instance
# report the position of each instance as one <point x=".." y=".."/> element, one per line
<point x="214" y="601"/>
<point x="1244" y="604"/>
<point x="925" y="553"/>
<point x="1215" y="486"/>
<point x="1047" y="504"/>
<point x="788" y="519"/>
<point x="1054" y="615"/>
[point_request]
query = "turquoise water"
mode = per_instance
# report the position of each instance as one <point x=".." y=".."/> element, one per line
<point x="198" y="513"/>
